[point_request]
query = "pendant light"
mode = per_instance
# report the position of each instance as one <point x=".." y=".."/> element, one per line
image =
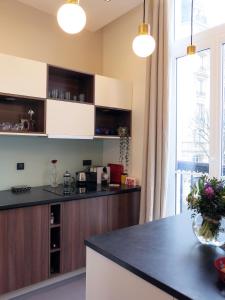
<point x="71" y="17"/>
<point x="143" y="44"/>
<point x="191" y="49"/>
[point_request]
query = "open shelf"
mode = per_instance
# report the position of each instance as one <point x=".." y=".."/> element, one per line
<point x="56" y="214"/>
<point x="55" y="263"/>
<point x="15" y="119"/>
<point x="108" y="120"/>
<point x="55" y="238"/>
<point x="55" y="250"/>
<point x="69" y="85"/>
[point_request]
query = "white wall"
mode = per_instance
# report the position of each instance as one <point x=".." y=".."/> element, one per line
<point x="37" y="153"/>
<point x="119" y="61"/>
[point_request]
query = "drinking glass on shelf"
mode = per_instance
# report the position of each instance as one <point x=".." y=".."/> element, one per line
<point x="55" y="93"/>
<point x="61" y="95"/>
<point x="67" y="94"/>
<point x="6" y="126"/>
<point x="82" y="97"/>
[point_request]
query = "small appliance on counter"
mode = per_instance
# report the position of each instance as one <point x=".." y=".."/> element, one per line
<point x="67" y="179"/>
<point x="103" y="174"/>
<point x="86" y="178"/>
<point x="116" y="170"/>
<point x="81" y="178"/>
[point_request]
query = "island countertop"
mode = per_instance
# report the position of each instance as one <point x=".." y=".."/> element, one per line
<point x="39" y="196"/>
<point x="166" y="254"/>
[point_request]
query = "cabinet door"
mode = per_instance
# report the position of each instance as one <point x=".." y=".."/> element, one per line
<point x="69" y="120"/>
<point x="24" y="240"/>
<point x="81" y="219"/>
<point x="112" y="92"/>
<point x="123" y="210"/>
<point x="21" y="76"/>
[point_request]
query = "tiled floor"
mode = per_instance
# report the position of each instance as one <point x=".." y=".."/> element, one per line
<point x="70" y="289"/>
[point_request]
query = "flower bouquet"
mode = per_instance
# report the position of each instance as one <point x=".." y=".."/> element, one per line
<point x="207" y="200"/>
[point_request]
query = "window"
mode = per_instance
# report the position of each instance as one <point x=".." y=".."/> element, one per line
<point x="223" y="127"/>
<point x="207" y="14"/>
<point x="198" y="147"/>
<point x="193" y="127"/>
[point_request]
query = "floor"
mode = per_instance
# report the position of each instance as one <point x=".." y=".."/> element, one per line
<point x="73" y="288"/>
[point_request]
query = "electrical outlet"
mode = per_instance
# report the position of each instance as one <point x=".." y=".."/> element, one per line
<point x="20" y="166"/>
<point x="87" y="163"/>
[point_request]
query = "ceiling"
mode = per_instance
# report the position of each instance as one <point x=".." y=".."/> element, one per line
<point x="99" y="12"/>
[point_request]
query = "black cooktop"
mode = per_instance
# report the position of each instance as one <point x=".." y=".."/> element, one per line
<point x="73" y="190"/>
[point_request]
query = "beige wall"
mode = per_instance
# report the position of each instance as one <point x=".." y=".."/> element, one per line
<point x="27" y="32"/>
<point x="119" y="61"/>
<point x="30" y="33"/>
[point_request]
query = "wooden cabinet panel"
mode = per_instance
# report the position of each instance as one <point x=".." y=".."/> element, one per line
<point x="66" y="119"/>
<point x="24" y="236"/>
<point x="81" y="219"/>
<point x="111" y="92"/>
<point x="21" y="76"/>
<point x="123" y="210"/>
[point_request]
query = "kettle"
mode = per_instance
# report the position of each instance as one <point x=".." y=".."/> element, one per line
<point x="81" y="178"/>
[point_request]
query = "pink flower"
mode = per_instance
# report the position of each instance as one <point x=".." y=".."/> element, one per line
<point x="209" y="192"/>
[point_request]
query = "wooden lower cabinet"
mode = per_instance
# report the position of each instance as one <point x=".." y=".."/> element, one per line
<point x="123" y="210"/>
<point x="87" y="217"/>
<point x="24" y="247"/>
<point x="25" y="239"/>
<point x="81" y="219"/>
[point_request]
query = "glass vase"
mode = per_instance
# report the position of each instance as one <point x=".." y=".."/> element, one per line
<point x="53" y="176"/>
<point x="209" y="231"/>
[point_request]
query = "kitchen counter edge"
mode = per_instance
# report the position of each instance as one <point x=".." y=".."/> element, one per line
<point x="38" y="196"/>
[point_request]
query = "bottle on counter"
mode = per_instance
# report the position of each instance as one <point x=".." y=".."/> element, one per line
<point x="52" y="219"/>
<point x="123" y="178"/>
<point x="105" y="176"/>
<point x="53" y="175"/>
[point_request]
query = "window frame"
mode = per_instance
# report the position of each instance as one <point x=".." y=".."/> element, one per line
<point x="213" y="39"/>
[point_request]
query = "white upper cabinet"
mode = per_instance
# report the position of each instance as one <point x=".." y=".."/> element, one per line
<point x="69" y="120"/>
<point x="110" y="92"/>
<point x="23" y="77"/>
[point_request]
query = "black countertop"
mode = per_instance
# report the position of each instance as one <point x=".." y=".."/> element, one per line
<point x="38" y="196"/>
<point x="167" y="254"/>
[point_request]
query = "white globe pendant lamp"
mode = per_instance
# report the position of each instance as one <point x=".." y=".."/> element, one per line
<point x="71" y="17"/>
<point x="143" y="44"/>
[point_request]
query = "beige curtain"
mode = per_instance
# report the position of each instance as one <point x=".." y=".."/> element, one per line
<point x="154" y="176"/>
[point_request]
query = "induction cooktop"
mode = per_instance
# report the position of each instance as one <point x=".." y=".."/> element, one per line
<point x="72" y="190"/>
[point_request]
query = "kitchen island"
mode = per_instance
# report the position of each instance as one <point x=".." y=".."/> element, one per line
<point x="161" y="260"/>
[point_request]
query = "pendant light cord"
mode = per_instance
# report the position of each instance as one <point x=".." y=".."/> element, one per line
<point x="144" y="13"/>
<point x="192" y="12"/>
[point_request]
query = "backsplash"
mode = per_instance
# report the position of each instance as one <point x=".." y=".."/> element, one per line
<point x="37" y="152"/>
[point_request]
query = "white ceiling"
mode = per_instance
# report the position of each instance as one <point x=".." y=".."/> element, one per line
<point x="99" y="12"/>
